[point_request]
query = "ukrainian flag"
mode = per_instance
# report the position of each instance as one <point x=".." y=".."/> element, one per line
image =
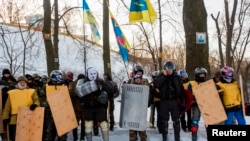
<point x="90" y="19"/>
<point x="142" y="11"/>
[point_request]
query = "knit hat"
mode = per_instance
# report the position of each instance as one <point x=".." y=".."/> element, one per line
<point x="6" y="71"/>
<point x="21" y="78"/>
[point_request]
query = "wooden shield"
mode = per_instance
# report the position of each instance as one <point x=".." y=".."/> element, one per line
<point x="29" y="124"/>
<point x="62" y="110"/>
<point x="209" y="103"/>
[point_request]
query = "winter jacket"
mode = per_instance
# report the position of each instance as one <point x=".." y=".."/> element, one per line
<point x="91" y="100"/>
<point x="19" y="97"/>
<point x="231" y="95"/>
<point x="160" y="83"/>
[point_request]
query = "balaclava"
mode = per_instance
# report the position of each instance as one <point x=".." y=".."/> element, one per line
<point x="92" y="74"/>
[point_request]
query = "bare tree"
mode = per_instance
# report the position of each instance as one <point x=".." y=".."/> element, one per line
<point x="216" y="20"/>
<point x="10" y="52"/>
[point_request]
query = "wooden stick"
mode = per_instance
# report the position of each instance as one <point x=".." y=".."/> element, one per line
<point x="242" y="95"/>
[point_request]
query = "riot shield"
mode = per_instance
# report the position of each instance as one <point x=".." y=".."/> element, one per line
<point x="84" y="88"/>
<point x="134" y="104"/>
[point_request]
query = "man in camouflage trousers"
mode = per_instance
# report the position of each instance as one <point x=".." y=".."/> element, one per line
<point x="78" y="108"/>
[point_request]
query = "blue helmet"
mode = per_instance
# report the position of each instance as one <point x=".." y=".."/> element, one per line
<point x="169" y="66"/>
<point x="57" y="76"/>
<point x="182" y="73"/>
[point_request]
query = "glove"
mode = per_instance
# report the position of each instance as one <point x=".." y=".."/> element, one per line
<point x="33" y="107"/>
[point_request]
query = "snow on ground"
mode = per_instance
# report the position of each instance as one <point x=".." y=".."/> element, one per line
<point x="120" y="134"/>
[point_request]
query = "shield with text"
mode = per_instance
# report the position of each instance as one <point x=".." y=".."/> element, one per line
<point x="134" y="104"/>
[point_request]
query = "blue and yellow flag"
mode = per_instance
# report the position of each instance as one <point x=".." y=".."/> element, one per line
<point x="142" y="11"/>
<point x="121" y="39"/>
<point x="90" y="19"/>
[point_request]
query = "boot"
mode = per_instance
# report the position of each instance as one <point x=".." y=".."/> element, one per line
<point x="152" y="123"/>
<point x="164" y="137"/>
<point x="164" y="131"/>
<point x="75" y="136"/>
<point x="88" y="136"/>
<point x="177" y="129"/>
<point x="105" y="135"/>
<point x="194" y="136"/>
<point x="111" y="127"/>
<point x="96" y="130"/>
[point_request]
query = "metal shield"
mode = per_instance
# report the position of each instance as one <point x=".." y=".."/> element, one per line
<point x="84" y="88"/>
<point x="134" y="104"/>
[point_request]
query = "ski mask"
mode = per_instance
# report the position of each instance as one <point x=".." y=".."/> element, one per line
<point x="92" y="74"/>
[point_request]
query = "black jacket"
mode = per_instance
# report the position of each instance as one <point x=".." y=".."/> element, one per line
<point x="160" y="83"/>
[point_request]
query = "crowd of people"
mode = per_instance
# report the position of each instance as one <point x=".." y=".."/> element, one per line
<point x="170" y="96"/>
<point x="187" y="114"/>
<point x="31" y="89"/>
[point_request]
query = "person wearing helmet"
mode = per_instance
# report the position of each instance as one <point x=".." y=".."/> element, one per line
<point x="56" y="81"/>
<point x="170" y="91"/>
<point x="138" y="80"/>
<point x="155" y="104"/>
<point x="186" y="124"/>
<point x="95" y="105"/>
<point x="200" y="77"/>
<point x="231" y="97"/>
<point x="30" y="80"/>
<point x="21" y="96"/>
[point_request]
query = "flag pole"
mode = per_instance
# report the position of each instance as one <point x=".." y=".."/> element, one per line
<point x="84" y="44"/>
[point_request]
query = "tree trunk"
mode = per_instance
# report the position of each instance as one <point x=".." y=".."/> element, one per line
<point x="56" y="28"/>
<point x="47" y="36"/>
<point x="106" y="48"/>
<point x="230" y="26"/>
<point x="195" y="20"/>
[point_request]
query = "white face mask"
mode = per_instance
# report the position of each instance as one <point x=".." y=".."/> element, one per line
<point x="92" y="74"/>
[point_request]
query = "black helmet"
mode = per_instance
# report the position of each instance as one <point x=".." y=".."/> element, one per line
<point x="80" y="76"/>
<point x="198" y="71"/>
<point x="155" y="74"/>
<point x="57" y="76"/>
<point x="137" y="68"/>
<point x="169" y="66"/>
<point x="29" y="77"/>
